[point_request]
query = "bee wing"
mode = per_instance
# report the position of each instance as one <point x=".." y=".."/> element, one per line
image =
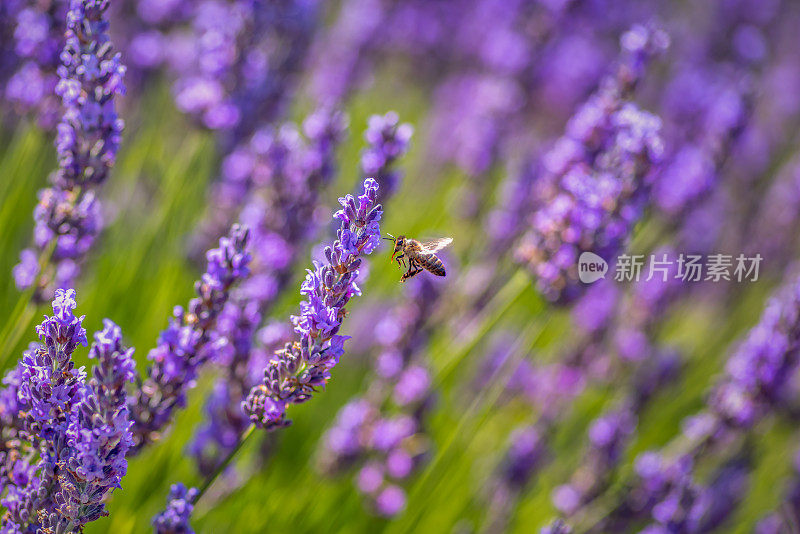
<point x="435" y="245"/>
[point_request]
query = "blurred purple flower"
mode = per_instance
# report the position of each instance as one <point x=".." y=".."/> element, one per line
<point x="596" y="176"/>
<point x="175" y="518"/>
<point x="68" y="215"/>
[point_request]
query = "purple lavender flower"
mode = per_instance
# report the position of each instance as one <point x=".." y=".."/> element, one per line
<point x="38" y="40"/>
<point x="608" y="436"/>
<point x="757" y="372"/>
<point x="175" y="518"/>
<point x="99" y="432"/>
<point x="754" y="384"/>
<point x="80" y="431"/>
<point x="388" y="140"/>
<point x="472" y="116"/>
<point x="593" y="191"/>
<point x="302" y="366"/>
<point x="68" y="216"/>
<point x="391" y="501"/>
<point x="189" y="341"/>
<point x="22" y="497"/>
<point x="91" y="76"/>
<point x="524" y="456"/>
<point x="273" y="170"/>
<point x="238" y="66"/>
<point x="50" y="384"/>
<point x="693" y="169"/>
<point x="678" y="503"/>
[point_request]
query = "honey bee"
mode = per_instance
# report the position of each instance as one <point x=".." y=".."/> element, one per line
<point x="419" y="255"/>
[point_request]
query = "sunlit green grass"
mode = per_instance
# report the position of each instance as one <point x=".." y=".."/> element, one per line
<point x="139" y="271"/>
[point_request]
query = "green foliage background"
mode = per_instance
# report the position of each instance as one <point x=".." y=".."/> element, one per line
<point x="139" y="271"/>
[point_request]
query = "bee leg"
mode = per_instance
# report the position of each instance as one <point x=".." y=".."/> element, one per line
<point x="413" y="270"/>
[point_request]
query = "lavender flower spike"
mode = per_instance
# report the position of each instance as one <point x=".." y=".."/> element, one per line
<point x="388" y="140"/>
<point x="99" y="432"/>
<point x="91" y="76"/>
<point x="597" y="176"/>
<point x="80" y="431"/>
<point x="189" y="340"/>
<point x="175" y="519"/>
<point x="68" y="215"/>
<point x="295" y="372"/>
<point x="50" y="384"/>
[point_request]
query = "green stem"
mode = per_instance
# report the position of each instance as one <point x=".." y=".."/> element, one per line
<point x="222" y="466"/>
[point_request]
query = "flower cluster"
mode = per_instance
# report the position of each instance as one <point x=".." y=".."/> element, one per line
<point x="758" y="372"/>
<point x="37" y="38"/>
<point x="189" y="341"/>
<point x="277" y="168"/>
<point x="68" y="215"/>
<point x="597" y="174"/>
<point x="240" y="61"/>
<point x="80" y="430"/>
<point x="678" y="503"/>
<point x="175" y="518"/>
<point x="99" y="431"/>
<point x="388" y="140"/>
<point x="295" y="372"/>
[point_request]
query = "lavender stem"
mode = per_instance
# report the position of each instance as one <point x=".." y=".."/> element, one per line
<point x="209" y="480"/>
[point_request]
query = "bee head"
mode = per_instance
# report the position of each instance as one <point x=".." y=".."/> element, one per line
<point x="398" y="243"/>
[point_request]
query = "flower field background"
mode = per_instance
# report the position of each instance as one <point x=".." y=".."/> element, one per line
<point x="529" y="132"/>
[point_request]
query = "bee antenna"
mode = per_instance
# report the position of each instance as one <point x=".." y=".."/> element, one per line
<point x="390" y="238"/>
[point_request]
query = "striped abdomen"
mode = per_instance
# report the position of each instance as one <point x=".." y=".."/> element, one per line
<point x="432" y="264"/>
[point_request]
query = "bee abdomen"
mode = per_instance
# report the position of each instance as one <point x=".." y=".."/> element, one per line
<point x="433" y="264"/>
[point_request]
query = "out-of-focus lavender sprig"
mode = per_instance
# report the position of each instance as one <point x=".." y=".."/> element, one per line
<point x="757" y="374"/>
<point x="38" y="37"/>
<point x="238" y="62"/>
<point x="190" y="340"/>
<point x="68" y="214"/>
<point x="610" y="434"/>
<point x="175" y="518"/>
<point x="556" y="527"/>
<point x="382" y="433"/>
<point x="597" y="174"/>
<point x="388" y="140"/>
<point x="337" y="59"/>
<point x="692" y="172"/>
<point x="527" y="452"/>
<point x="81" y="431"/>
<point x="294" y="373"/>
<point x="773" y="234"/>
<point x="280" y="167"/>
